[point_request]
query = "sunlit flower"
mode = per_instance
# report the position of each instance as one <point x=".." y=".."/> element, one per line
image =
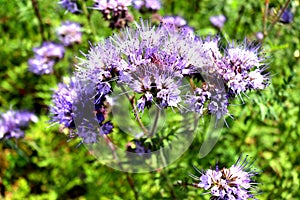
<point x="236" y="182"/>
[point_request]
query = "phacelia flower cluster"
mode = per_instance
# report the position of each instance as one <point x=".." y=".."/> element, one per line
<point x="236" y="182"/>
<point x="71" y="101"/>
<point x="242" y="68"/>
<point x="147" y="5"/>
<point x="156" y="64"/>
<point x="69" y="33"/>
<point x="13" y="122"/>
<point x="218" y="21"/>
<point x="45" y="57"/>
<point x="115" y="11"/>
<point x="70" y="6"/>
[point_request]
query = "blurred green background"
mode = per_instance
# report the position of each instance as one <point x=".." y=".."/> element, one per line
<point x="43" y="165"/>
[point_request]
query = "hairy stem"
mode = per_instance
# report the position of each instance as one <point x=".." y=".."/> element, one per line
<point x="135" y="110"/>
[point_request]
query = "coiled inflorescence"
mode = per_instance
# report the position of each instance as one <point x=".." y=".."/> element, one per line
<point x="236" y="182"/>
<point x="166" y="68"/>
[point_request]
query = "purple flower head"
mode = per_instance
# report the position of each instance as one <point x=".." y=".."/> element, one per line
<point x="70" y="5"/>
<point x="12" y="122"/>
<point x="39" y="65"/>
<point x="69" y="33"/>
<point x="50" y="50"/>
<point x="149" y="60"/>
<point x="235" y="182"/>
<point x="287" y="16"/>
<point x="106" y="128"/>
<point x="115" y="11"/>
<point x="45" y="57"/>
<point x="62" y="102"/>
<point x="218" y="21"/>
<point x="198" y="99"/>
<point x="242" y="69"/>
<point x="151" y="5"/>
<point x="111" y="4"/>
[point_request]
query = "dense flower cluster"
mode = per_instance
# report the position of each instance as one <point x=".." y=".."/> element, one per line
<point x="71" y="97"/>
<point x="12" y="122"/>
<point x="235" y="182"/>
<point x="45" y="57"/>
<point x="218" y="21"/>
<point x="69" y="33"/>
<point x="147" y="5"/>
<point x="115" y="11"/>
<point x="154" y="62"/>
<point x="70" y="5"/>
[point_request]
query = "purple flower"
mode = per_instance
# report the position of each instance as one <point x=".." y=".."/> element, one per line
<point x="286" y="17"/>
<point x="151" y="61"/>
<point x="69" y="33"/>
<point x="45" y="57"/>
<point x="151" y="5"/>
<point x="106" y="128"/>
<point x="235" y="182"/>
<point x="62" y="102"/>
<point x="242" y="68"/>
<point x="40" y="65"/>
<point x="115" y="11"/>
<point x="218" y="21"/>
<point x="70" y="5"/>
<point x="12" y="122"/>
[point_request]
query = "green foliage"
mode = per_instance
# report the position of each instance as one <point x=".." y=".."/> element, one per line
<point x="44" y="165"/>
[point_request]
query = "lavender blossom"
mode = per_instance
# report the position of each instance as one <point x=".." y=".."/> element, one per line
<point x="242" y="69"/>
<point x="63" y="100"/>
<point x="69" y="33"/>
<point x="149" y="60"/>
<point x="45" y="57"/>
<point x="235" y="182"/>
<point x="148" y="5"/>
<point x="12" y="123"/>
<point x="115" y="11"/>
<point x="218" y="21"/>
<point x="71" y="103"/>
<point x="70" y="5"/>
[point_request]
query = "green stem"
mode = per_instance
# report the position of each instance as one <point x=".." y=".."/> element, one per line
<point x="154" y="127"/>
<point x="135" y="110"/>
<point x="88" y="17"/>
<point x="38" y="15"/>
